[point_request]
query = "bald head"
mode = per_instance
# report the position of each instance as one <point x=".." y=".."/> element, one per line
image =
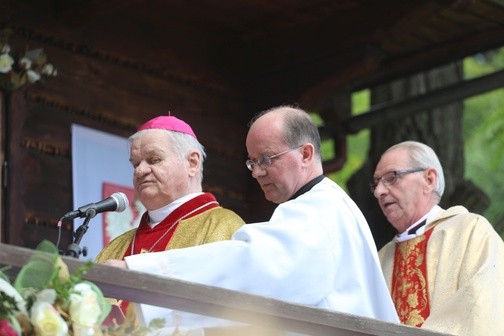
<point x="293" y="125"/>
<point x="289" y="137"/>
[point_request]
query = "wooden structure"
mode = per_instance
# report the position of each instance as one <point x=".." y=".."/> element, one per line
<point x="218" y="302"/>
<point x="214" y="63"/>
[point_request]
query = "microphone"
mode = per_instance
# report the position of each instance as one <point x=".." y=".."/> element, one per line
<point x="116" y="202"/>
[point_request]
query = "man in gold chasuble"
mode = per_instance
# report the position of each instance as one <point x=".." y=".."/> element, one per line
<point x="168" y="172"/>
<point x="444" y="268"/>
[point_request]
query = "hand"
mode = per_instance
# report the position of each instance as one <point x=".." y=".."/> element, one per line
<point x="116" y="263"/>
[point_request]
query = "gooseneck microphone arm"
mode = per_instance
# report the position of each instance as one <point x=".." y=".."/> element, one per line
<point x="116" y="202"/>
<point x="74" y="250"/>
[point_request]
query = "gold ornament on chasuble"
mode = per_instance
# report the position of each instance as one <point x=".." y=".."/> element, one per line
<point x="410" y="292"/>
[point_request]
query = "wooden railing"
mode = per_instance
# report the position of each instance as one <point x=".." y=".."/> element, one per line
<point x="212" y="301"/>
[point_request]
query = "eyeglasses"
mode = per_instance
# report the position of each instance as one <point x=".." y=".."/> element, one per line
<point x="265" y="161"/>
<point x="391" y="177"/>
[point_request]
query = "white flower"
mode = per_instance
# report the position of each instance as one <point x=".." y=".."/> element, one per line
<point x="6" y="63"/>
<point x="25" y="63"/>
<point x="33" y="76"/>
<point x="25" y="70"/>
<point x="46" y="295"/>
<point x="84" y="307"/>
<point x="7" y="288"/>
<point x="48" y="69"/>
<point x="47" y="320"/>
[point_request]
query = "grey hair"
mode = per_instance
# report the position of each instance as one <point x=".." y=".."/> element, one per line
<point x="422" y="156"/>
<point x="298" y="127"/>
<point x="183" y="144"/>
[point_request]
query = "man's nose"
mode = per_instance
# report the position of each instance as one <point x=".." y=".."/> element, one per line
<point x="141" y="169"/>
<point x="380" y="189"/>
<point x="258" y="171"/>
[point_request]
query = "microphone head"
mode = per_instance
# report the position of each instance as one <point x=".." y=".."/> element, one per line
<point x="121" y="200"/>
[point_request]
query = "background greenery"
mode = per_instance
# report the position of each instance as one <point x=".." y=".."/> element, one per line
<point x="483" y="127"/>
<point x="484" y="133"/>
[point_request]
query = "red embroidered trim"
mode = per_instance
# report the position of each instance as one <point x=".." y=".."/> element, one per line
<point x="410" y="292"/>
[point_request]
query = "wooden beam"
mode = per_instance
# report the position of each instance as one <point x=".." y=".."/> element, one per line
<point x="428" y="58"/>
<point x="383" y="113"/>
<point x="213" y="301"/>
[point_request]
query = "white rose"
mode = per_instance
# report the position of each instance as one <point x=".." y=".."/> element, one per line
<point x="47" y="321"/>
<point x="6" y="63"/>
<point x="7" y="288"/>
<point x="84" y="307"/>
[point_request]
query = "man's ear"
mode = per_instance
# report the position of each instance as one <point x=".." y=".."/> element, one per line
<point x="194" y="163"/>
<point x="430" y="176"/>
<point x="308" y="151"/>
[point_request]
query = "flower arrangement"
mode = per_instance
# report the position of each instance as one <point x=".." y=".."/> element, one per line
<point x="46" y="300"/>
<point x="28" y="69"/>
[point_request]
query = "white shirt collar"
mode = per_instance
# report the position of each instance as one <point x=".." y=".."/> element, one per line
<point x="156" y="216"/>
<point x="428" y="218"/>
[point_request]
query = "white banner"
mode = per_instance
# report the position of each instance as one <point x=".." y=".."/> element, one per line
<point x="100" y="167"/>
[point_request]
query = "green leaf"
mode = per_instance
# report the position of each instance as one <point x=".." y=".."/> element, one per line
<point x="40" y="270"/>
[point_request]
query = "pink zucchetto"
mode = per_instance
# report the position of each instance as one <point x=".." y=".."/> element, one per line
<point x="169" y="123"/>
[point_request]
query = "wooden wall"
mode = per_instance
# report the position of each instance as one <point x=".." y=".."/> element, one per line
<point x="100" y="89"/>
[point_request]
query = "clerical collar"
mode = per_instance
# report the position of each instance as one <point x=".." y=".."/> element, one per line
<point x="156" y="216"/>
<point x="418" y="228"/>
<point x="307" y="187"/>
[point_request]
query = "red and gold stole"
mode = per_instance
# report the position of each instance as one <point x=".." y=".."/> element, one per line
<point x="156" y="239"/>
<point x="410" y="291"/>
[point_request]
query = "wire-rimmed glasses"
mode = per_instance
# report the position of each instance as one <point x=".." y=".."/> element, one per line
<point x="391" y="177"/>
<point x="266" y="161"/>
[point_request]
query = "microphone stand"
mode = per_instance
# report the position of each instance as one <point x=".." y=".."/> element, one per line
<point x="74" y="250"/>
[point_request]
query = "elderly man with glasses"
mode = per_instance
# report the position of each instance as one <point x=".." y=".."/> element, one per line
<point x="444" y="268"/>
<point x="316" y="249"/>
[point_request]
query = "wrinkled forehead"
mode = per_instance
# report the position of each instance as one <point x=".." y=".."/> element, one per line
<point x="151" y="139"/>
<point x="394" y="159"/>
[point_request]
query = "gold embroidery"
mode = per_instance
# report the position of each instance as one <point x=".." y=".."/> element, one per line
<point x="169" y="229"/>
<point x="415" y="318"/>
<point x="409" y="281"/>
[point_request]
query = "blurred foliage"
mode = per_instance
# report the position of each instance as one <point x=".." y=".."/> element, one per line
<point x="484" y="133"/>
<point x="483" y="125"/>
<point x="357" y="144"/>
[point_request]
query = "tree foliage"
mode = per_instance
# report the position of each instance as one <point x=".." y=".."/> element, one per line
<point x="483" y="124"/>
<point x="357" y="144"/>
<point x="484" y="133"/>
